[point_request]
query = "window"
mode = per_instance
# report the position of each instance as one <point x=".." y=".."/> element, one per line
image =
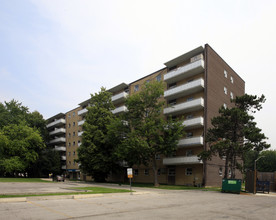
<point x="74" y="123"/>
<point x="74" y="143"/>
<point x="69" y="135"/>
<point x="172" y="102"/>
<point x="69" y="126"/>
<point x="225" y="90"/>
<point x="231" y="95"/>
<point x="224" y="105"/>
<point x="69" y="154"/>
<point x="69" y="144"/>
<point x="158" y="78"/>
<point x="220" y="171"/>
<point x="161" y="171"/>
<point x="189" y="134"/>
<point x="136" y="172"/>
<point x="69" y="162"/>
<point x="189" y="153"/>
<point x="231" y="79"/>
<point x="172" y="68"/>
<point x="157" y="156"/>
<point x="172" y="85"/>
<point x="74" y="162"/>
<point x="189" y="171"/>
<point x="229" y="172"/>
<point x="136" y="88"/>
<point x="74" y="114"/>
<point x="189" y="116"/>
<point x="74" y="133"/>
<point x="69" y="116"/>
<point x="146" y="172"/>
<point x="158" y="172"/>
<point x="148" y="81"/>
<point x="74" y="153"/>
<point x="190" y="99"/>
<point x="225" y="73"/>
<point x="171" y="172"/>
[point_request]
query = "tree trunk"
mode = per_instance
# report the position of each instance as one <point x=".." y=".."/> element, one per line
<point x="226" y="167"/>
<point x="155" y="173"/>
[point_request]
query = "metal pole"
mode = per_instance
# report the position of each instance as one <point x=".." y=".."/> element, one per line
<point x="130" y="186"/>
<point x="255" y="174"/>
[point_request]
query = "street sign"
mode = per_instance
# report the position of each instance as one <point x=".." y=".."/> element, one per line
<point x="129" y="173"/>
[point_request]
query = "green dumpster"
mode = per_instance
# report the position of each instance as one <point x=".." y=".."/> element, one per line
<point x="231" y="185"/>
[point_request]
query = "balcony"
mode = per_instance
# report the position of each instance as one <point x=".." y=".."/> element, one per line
<point x="60" y="148"/>
<point x="63" y="167"/>
<point x="79" y="144"/>
<point x="81" y="122"/>
<point x="190" y="142"/>
<point x="194" y="123"/>
<point x="184" y="72"/>
<point x="181" y="160"/>
<point x="119" y="97"/>
<point x="58" y="140"/>
<point x="80" y="133"/>
<point x="58" y="122"/>
<point x="82" y="112"/>
<point x="63" y="157"/>
<point x="120" y="109"/>
<point x="189" y="106"/>
<point x="58" y="131"/>
<point x="184" y="90"/>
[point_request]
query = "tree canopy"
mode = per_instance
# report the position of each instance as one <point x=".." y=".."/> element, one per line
<point x="144" y="131"/>
<point x="234" y="133"/>
<point x="96" y="153"/>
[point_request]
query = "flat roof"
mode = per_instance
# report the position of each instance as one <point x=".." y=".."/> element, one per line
<point x="59" y="115"/>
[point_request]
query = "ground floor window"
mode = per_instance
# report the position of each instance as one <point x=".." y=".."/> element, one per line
<point x="136" y="172"/>
<point x="171" y="172"/>
<point x="189" y="171"/>
<point x="146" y="172"/>
<point x="220" y="171"/>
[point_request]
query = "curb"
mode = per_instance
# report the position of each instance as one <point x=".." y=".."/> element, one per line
<point x="18" y="199"/>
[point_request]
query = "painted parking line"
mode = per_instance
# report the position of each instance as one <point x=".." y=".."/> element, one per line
<point x="50" y="210"/>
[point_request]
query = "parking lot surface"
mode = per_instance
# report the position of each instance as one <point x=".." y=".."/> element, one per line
<point x="144" y="204"/>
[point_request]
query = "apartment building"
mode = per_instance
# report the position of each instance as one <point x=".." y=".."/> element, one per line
<point x="198" y="83"/>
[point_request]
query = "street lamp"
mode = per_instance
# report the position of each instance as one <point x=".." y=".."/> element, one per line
<point x="255" y="174"/>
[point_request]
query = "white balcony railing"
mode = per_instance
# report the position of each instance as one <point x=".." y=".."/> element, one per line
<point x="63" y="167"/>
<point x="119" y="97"/>
<point x="79" y="144"/>
<point x="119" y="110"/>
<point x="60" y="148"/>
<point x="184" y="90"/>
<point x="82" y="112"/>
<point x="183" y="72"/>
<point x="190" y="142"/>
<point x="181" y="160"/>
<point x="58" y="140"/>
<point x="81" y="122"/>
<point x="56" y="123"/>
<point x="58" y="131"/>
<point x="188" y="106"/>
<point x="194" y="123"/>
<point x="80" y="133"/>
<point x="63" y="157"/>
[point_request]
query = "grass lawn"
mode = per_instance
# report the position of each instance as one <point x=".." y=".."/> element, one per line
<point x="23" y="180"/>
<point x="91" y="190"/>
<point x="175" y="187"/>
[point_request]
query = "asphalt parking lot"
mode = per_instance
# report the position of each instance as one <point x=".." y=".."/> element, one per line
<point x="144" y="204"/>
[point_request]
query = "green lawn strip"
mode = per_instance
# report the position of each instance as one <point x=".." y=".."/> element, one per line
<point x="23" y="180"/>
<point x="175" y="187"/>
<point x="93" y="190"/>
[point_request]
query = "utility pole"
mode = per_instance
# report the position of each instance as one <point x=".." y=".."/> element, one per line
<point x="255" y="174"/>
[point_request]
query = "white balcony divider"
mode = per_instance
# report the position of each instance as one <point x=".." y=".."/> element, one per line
<point x="80" y="133"/>
<point x="60" y="148"/>
<point x="119" y="110"/>
<point x="81" y="122"/>
<point x="189" y="106"/>
<point x="63" y="167"/>
<point x="82" y="112"/>
<point x="184" y="90"/>
<point x="181" y="160"/>
<point x="194" y="122"/>
<point x="58" y="131"/>
<point x="57" y="122"/>
<point x="183" y="72"/>
<point x="119" y="97"/>
<point x="58" y="140"/>
<point x="63" y="157"/>
<point x="190" y="142"/>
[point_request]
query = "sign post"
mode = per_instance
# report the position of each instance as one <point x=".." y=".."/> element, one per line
<point x="130" y="176"/>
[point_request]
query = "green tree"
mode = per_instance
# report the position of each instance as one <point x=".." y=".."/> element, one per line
<point x="234" y="133"/>
<point x="96" y="153"/>
<point x="20" y="145"/>
<point x="146" y="132"/>
<point x="268" y="162"/>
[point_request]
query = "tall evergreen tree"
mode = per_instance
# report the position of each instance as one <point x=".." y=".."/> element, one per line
<point x="234" y="133"/>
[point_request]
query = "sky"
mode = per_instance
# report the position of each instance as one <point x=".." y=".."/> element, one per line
<point x="55" y="53"/>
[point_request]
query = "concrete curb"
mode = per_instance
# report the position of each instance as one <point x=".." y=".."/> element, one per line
<point x="18" y="199"/>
